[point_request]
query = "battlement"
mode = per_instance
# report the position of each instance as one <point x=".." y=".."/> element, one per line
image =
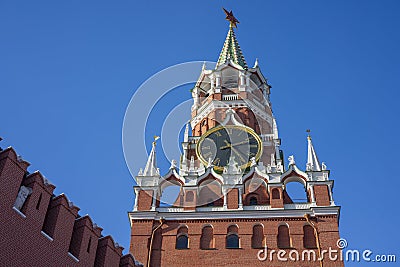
<point x="39" y="228"/>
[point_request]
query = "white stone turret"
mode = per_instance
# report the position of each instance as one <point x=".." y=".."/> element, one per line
<point x="151" y="165"/>
<point x="186" y="133"/>
<point x="312" y="159"/>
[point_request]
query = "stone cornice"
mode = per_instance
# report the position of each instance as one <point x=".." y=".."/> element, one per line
<point x="234" y="214"/>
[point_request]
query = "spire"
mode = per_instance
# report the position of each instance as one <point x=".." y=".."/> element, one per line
<point x="312" y="159"/>
<point x="151" y="165"/>
<point x="186" y="133"/>
<point x="256" y="63"/>
<point x="231" y="49"/>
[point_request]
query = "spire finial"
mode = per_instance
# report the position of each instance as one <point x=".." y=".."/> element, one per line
<point x="156" y="137"/>
<point x="291" y="160"/>
<point x="312" y="159"/>
<point x="256" y="63"/>
<point x="231" y="18"/>
<point x="151" y="165"/>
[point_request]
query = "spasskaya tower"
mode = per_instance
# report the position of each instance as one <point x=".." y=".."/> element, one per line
<point x="232" y="176"/>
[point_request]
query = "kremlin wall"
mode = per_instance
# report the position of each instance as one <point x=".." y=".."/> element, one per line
<point x="38" y="228"/>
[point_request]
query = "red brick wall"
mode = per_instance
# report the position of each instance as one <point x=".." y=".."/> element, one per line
<point x="255" y="188"/>
<point x="246" y="255"/>
<point x="47" y="229"/>
<point x="322" y="195"/>
<point x="141" y="229"/>
<point x="145" y="199"/>
<point x="190" y="200"/>
<point x="233" y="198"/>
<point x="276" y="197"/>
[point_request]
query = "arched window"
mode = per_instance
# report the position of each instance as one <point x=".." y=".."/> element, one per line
<point x="296" y="192"/>
<point x="275" y="193"/>
<point x="182" y="242"/>
<point x="207" y="237"/>
<point x="309" y="239"/>
<point x="232" y="237"/>
<point x="232" y="241"/>
<point x="210" y="192"/>
<point x="257" y="239"/>
<point x="182" y="239"/>
<point x="170" y="194"/>
<point x="255" y="187"/>
<point x="253" y="201"/>
<point x="283" y="237"/>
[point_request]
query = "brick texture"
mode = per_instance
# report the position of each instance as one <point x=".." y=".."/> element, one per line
<point x="207" y="240"/>
<point x="47" y="231"/>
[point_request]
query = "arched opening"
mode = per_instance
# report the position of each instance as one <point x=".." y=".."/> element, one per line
<point x="182" y="242"/>
<point x="283" y="236"/>
<point x="210" y="194"/>
<point x="253" y="201"/>
<point x="207" y="237"/>
<point x="275" y="193"/>
<point x="232" y="237"/>
<point x="295" y="192"/>
<point x="309" y="238"/>
<point x="255" y="187"/>
<point x="230" y="78"/>
<point x="170" y="195"/>
<point x="182" y="239"/>
<point x="232" y="241"/>
<point x="257" y="239"/>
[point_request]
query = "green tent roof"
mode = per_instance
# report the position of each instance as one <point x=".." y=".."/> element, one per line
<point x="231" y="50"/>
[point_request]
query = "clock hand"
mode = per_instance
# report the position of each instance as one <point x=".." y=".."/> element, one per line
<point x="241" y="143"/>
<point x="236" y="144"/>
<point x="227" y="145"/>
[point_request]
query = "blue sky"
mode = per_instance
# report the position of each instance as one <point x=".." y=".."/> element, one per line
<point x="69" y="68"/>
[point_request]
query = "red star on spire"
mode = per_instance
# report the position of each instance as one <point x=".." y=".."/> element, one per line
<point x="231" y="18"/>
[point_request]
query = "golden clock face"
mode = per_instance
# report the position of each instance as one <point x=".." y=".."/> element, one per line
<point x="221" y="143"/>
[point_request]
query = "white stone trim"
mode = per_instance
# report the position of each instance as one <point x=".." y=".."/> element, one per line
<point x="258" y="103"/>
<point x="230" y="97"/>
<point x="47" y="236"/>
<point x="73" y="257"/>
<point x="215" y="104"/>
<point x="297" y="206"/>
<point x="257" y="207"/>
<point x="240" y="196"/>
<point x="200" y="209"/>
<point x="153" y="202"/>
<point x="225" y="193"/>
<point x="331" y="194"/>
<point x="234" y="214"/>
<point x="169" y="209"/>
<point x="311" y="186"/>
<point x="19" y="212"/>
<point x="135" y="205"/>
